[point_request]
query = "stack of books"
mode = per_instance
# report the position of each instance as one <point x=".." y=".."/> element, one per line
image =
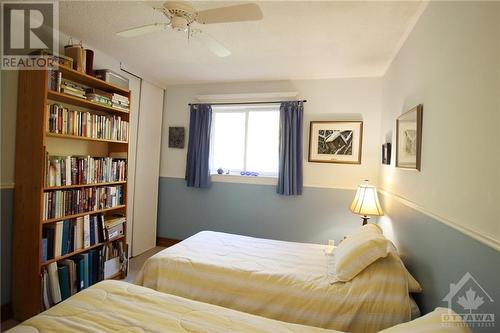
<point x="120" y="102"/>
<point x="99" y="96"/>
<point x="80" y="170"/>
<point x="114" y="227"/>
<point x="64" y="237"/>
<point x="73" y="89"/>
<point x="68" y="202"/>
<point x="67" y="277"/>
<point x="61" y="120"/>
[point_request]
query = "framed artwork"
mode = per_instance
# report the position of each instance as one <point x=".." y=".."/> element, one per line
<point x="409" y="139"/>
<point x="176" y="137"/>
<point x="335" y="141"/>
<point x="386" y="153"/>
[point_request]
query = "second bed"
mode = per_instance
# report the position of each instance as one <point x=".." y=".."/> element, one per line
<point x="281" y="280"/>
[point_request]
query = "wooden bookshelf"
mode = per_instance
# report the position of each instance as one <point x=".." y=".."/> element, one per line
<point x="32" y="143"/>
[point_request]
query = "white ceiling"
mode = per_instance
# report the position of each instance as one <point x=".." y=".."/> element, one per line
<point x="295" y="40"/>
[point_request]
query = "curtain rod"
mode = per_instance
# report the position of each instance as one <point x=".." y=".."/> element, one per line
<point x="249" y="103"/>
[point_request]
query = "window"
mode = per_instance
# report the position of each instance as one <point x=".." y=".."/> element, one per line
<point x="245" y="138"/>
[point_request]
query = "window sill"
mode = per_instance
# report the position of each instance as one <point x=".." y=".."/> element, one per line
<point x="260" y="180"/>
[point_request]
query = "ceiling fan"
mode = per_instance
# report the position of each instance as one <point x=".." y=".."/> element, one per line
<point x="181" y="15"/>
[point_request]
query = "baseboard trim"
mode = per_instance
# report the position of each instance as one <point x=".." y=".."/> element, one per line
<point x="166" y="242"/>
<point x="6" y="312"/>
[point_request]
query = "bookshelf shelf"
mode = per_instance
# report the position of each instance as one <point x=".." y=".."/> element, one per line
<point x="77" y="137"/>
<point x="31" y="233"/>
<point x="68" y="217"/>
<point x="77" y="101"/>
<point x="72" y="75"/>
<point x="74" y="253"/>
<point x="66" y="187"/>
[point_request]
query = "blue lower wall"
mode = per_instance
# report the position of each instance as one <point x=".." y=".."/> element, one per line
<point x="254" y="210"/>
<point x="6" y="208"/>
<point x="439" y="255"/>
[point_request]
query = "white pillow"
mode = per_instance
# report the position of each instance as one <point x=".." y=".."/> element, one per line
<point x="430" y="323"/>
<point x="359" y="250"/>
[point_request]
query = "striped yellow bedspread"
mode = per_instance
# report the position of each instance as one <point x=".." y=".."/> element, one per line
<point x="280" y="280"/>
<point x="114" y="306"/>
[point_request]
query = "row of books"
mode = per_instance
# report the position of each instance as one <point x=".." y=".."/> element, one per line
<point x="80" y="170"/>
<point x="61" y="120"/>
<point x="67" y="277"/>
<point x="58" y="83"/>
<point x="64" y="237"/>
<point x="68" y="202"/>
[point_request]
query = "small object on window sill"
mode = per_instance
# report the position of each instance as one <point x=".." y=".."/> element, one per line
<point x="220" y="171"/>
<point x="249" y="173"/>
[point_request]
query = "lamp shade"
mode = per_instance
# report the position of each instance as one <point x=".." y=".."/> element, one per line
<point x="366" y="201"/>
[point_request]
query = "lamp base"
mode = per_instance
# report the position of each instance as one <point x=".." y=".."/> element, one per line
<point x="365" y="219"/>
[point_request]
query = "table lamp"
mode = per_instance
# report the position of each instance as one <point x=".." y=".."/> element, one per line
<point x="366" y="202"/>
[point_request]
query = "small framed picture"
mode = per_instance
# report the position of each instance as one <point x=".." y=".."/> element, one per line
<point x="409" y="139"/>
<point x="176" y="137"/>
<point x="335" y="141"/>
<point x="386" y="153"/>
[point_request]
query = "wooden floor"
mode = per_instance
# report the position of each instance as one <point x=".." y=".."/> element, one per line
<point x="135" y="265"/>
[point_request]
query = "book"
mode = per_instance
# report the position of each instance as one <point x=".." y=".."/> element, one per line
<point x="86" y="231"/>
<point x="78" y="260"/>
<point x="72" y="274"/>
<point x="44" y="250"/>
<point x="55" y="229"/>
<point x="92" y="231"/>
<point x="91" y="266"/>
<point x="64" y="284"/>
<point x="86" y="270"/>
<point x="65" y="237"/>
<point x="55" y="290"/>
<point x="46" y="299"/>
<point x="79" y="233"/>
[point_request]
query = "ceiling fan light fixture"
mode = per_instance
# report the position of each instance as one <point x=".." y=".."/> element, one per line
<point x="179" y="23"/>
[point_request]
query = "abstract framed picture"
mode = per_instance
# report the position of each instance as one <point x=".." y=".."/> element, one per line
<point x="176" y="137"/>
<point x="409" y="139"/>
<point x="335" y="141"/>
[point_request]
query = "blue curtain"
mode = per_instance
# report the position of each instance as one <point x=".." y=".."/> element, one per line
<point x="290" y="150"/>
<point x="197" y="167"/>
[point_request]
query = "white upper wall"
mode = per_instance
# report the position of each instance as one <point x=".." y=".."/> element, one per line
<point x="329" y="99"/>
<point x="451" y="64"/>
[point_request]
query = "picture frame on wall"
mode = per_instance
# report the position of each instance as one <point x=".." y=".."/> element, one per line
<point x="176" y="137"/>
<point x="409" y="139"/>
<point x="386" y="153"/>
<point x="335" y="142"/>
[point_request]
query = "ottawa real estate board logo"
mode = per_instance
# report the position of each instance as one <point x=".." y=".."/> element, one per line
<point x="469" y="303"/>
<point x="29" y="34"/>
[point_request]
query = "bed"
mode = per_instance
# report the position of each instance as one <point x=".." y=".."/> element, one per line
<point x="115" y="306"/>
<point x="280" y="280"/>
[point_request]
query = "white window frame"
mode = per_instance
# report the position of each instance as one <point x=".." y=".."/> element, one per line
<point x="266" y="178"/>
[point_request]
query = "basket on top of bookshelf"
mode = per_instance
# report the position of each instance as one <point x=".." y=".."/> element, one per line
<point x="66" y="193"/>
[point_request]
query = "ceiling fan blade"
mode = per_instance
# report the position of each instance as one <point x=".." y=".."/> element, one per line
<point x="212" y="44"/>
<point x="237" y="13"/>
<point x="142" y="30"/>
